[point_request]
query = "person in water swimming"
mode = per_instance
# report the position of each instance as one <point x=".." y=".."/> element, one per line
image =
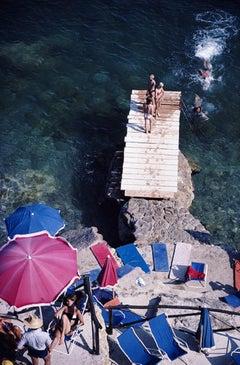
<point x="207" y="70"/>
<point x="197" y="109"/>
<point x="70" y="318"/>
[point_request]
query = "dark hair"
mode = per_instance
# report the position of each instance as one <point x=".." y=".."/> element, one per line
<point x="72" y="296"/>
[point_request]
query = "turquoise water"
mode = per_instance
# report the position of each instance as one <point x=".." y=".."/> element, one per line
<point x="67" y="70"/>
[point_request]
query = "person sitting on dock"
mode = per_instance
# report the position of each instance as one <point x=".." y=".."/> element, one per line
<point x="148" y="114"/>
<point x="151" y="85"/>
<point x="159" y="97"/>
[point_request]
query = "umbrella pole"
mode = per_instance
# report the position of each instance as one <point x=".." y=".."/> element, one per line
<point x="40" y="313"/>
<point x="201" y="338"/>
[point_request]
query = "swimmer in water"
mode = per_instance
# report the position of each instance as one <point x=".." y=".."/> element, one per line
<point x="197" y="110"/>
<point x="207" y="70"/>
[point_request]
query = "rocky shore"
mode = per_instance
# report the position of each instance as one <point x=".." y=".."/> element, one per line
<point x="145" y="221"/>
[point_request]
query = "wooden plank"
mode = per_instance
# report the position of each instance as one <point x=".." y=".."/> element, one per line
<point x="152" y="152"/>
<point x="149" y="145"/>
<point x="149" y="188"/>
<point x="151" y="138"/>
<point x="144" y="194"/>
<point x="154" y="175"/>
<point x="171" y="182"/>
<point x="163" y="160"/>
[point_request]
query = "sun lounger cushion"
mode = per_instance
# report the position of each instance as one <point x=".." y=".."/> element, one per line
<point x="160" y="257"/>
<point x="130" y="255"/>
<point x="103" y="295"/>
<point x="180" y="261"/>
<point x="124" y="270"/>
<point x="101" y="251"/>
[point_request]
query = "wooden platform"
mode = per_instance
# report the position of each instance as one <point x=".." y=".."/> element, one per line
<point x="150" y="165"/>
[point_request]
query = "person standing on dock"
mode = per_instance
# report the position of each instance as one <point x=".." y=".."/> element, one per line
<point x="151" y="85"/>
<point x="148" y="114"/>
<point x="159" y="97"/>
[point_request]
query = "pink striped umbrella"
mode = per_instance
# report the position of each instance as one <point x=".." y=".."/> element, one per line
<point x="35" y="269"/>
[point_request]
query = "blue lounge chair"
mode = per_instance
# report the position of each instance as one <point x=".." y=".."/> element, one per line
<point x="120" y="316"/>
<point x="130" y="255"/>
<point x="160" y="257"/>
<point x="236" y="355"/>
<point x="136" y="351"/>
<point x="70" y="340"/>
<point x="165" y="338"/>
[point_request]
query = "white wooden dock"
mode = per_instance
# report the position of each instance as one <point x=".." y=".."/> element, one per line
<point x="150" y="164"/>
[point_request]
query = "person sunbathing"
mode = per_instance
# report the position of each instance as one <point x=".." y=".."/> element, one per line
<point x="69" y="317"/>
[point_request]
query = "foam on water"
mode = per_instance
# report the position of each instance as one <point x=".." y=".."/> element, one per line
<point x="210" y="39"/>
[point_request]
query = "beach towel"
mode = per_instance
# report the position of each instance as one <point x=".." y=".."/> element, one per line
<point x="233" y="300"/>
<point x="124" y="270"/>
<point x="101" y="251"/>
<point x="196" y="275"/>
<point x="130" y="255"/>
<point x="160" y="257"/>
<point x="180" y="261"/>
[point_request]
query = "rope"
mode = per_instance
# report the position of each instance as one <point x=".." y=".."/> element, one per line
<point x="187" y="114"/>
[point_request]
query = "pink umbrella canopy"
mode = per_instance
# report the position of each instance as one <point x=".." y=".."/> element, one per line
<point x="108" y="274"/>
<point x="35" y="269"/>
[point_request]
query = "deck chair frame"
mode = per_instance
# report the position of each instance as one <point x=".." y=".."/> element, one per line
<point x="160" y="335"/>
<point x="136" y="351"/>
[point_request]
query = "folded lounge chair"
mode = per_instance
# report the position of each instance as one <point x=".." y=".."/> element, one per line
<point x="196" y="275"/>
<point x="135" y="350"/>
<point x="160" y="257"/>
<point x="165" y="338"/>
<point x="130" y="255"/>
<point x="180" y="261"/>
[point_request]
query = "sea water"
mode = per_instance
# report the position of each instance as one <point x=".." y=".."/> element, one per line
<point x="67" y="70"/>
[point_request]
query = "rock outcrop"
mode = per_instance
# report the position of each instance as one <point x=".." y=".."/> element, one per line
<point x="144" y="220"/>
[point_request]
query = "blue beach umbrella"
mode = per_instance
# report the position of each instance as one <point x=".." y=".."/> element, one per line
<point x="34" y="218"/>
<point x="204" y="332"/>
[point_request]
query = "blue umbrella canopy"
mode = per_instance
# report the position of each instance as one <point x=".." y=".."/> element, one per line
<point x="34" y="218"/>
<point x="204" y="332"/>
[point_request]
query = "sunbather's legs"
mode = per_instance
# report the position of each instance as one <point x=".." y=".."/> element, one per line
<point x="34" y="360"/>
<point x="66" y="328"/>
<point x="57" y="336"/>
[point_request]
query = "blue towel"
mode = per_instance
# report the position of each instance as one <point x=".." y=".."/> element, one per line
<point x="130" y="255"/>
<point x="232" y="300"/>
<point x="124" y="270"/>
<point x="160" y="257"/>
<point x="94" y="274"/>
